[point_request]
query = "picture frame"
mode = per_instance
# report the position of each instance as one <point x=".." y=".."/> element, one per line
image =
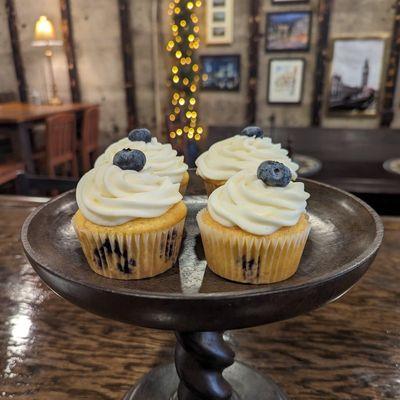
<point x="219" y="22"/>
<point x="286" y="81"/>
<point x="356" y="76"/>
<point x="222" y="72"/>
<point x="288" y="31"/>
<point x="284" y="2"/>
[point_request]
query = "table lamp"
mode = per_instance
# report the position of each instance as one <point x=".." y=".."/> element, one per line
<point x="45" y="36"/>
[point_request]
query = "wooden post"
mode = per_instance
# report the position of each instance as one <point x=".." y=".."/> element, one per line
<point x="16" y="51"/>
<point x="68" y="36"/>
<point x="324" y="16"/>
<point x="254" y="39"/>
<point x="127" y="56"/>
<point x="391" y="72"/>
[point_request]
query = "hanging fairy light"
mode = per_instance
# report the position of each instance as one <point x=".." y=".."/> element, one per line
<point x="184" y="76"/>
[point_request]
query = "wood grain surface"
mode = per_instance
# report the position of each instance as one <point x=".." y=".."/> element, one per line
<point x="50" y="349"/>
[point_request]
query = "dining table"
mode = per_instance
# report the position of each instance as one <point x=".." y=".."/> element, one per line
<point x="51" y="349"/>
<point x="18" y="118"/>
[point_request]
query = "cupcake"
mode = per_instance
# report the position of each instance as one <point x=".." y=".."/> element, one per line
<point x="130" y="221"/>
<point x="227" y="157"/>
<point x="255" y="227"/>
<point x="161" y="158"/>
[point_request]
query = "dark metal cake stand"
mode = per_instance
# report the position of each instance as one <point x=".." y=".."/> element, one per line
<point x="199" y="305"/>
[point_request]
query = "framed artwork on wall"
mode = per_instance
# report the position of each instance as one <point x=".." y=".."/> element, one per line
<point x="288" y="31"/>
<point x="219" y="21"/>
<point x="355" y="79"/>
<point x="285" y="80"/>
<point x="221" y="72"/>
<point x="289" y="1"/>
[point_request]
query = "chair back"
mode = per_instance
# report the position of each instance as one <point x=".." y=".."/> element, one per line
<point x="90" y="129"/>
<point x="60" y="140"/>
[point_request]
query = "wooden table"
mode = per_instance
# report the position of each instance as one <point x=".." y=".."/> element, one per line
<point x="50" y="349"/>
<point x="21" y="116"/>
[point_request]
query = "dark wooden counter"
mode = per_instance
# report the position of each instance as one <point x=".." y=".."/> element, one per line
<point x="50" y="349"/>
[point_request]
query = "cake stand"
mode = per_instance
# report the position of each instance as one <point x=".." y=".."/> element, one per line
<point x="198" y="305"/>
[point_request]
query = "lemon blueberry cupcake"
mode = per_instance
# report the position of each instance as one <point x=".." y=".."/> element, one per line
<point x="255" y="227"/>
<point x="161" y="158"/>
<point x="227" y="157"/>
<point x="129" y="222"/>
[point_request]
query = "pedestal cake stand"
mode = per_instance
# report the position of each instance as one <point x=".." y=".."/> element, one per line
<point x="198" y="305"/>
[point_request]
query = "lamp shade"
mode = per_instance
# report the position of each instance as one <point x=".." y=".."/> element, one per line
<point x="44" y="29"/>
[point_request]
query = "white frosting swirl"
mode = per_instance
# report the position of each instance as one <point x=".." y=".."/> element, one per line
<point x="161" y="159"/>
<point x="223" y="159"/>
<point x="109" y="196"/>
<point x="245" y="201"/>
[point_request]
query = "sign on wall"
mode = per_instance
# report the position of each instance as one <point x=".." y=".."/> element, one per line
<point x="219" y="21"/>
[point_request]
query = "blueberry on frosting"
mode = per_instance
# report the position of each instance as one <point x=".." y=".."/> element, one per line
<point x="252" y="131"/>
<point x="130" y="159"/>
<point x="274" y="173"/>
<point x="140" y="135"/>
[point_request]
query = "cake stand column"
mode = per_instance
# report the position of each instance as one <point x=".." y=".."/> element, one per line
<point x="200" y="358"/>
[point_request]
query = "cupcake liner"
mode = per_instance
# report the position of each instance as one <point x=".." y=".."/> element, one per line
<point x="184" y="183"/>
<point x="212" y="185"/>
<point x="250" y="258"/>
<point x="128" y="255"/>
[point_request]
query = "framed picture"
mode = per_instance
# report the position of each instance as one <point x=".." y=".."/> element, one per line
<point x="285" y="80"/>
<point x="219" y="21"/>
<point x="221" y="72"/>
<point x="356" y="71"/>
<point x="289" y="1"/>
<point x="288" y="31"/>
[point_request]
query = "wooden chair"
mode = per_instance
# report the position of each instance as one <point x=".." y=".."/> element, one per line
<point x="89" y="137"/>
<point x="9" y="170"/>
<point x="60" y="145"/>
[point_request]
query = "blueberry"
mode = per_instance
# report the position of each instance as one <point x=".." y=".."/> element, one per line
<point x="130" y="159"/>
<point x="140" y="135"/>
<point x="274" y="173"/>
<point x="252" y="131"/>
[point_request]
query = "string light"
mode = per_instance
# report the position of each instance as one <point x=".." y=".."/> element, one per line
<point x="185" y="70"/>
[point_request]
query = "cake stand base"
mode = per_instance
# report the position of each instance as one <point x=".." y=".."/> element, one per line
<point x="162" y="382"/>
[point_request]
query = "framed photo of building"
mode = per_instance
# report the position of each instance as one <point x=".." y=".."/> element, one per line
<point x="356" y="72"/>
<point x="285" y="80"/>
<point x="288" y="31"/>
<point x="221" y="72"/>
<point x="219" y="21"/>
